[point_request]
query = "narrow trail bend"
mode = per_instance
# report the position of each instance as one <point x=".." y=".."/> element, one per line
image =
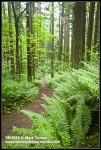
<point x="20" y="120"/>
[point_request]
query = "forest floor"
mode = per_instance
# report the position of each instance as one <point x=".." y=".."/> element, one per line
<point x="20" y="120"/>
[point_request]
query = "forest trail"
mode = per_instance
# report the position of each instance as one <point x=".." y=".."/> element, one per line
<point x="18" y="119"/>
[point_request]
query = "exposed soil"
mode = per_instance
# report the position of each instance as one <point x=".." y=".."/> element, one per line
<point x="18" y="119"/>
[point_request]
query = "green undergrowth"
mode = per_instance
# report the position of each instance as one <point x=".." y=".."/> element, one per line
<point x="80" y="88"/>
<point x="74" y="80"/>
<point x="16" y="94"/>
<point x="69" y="112"/>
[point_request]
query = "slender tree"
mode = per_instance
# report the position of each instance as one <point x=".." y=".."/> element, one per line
<point x="11" y="39"/>
<point x="38" y="34"/>
<point x="17" y="16"/>
<point x="61" y="35"/>
<point x="20" y="39"/>
<point x="52" y="52"/>
<point x="50" y="30"/>
<point x="83" y="27"/>
<point x="4" y="18"/>
<point x="28" y="25"/>
<point x="33" y="43"/>
<point x="96" y="28"/>
<point x="66" y="34"/>
<point x="72" y="35"/>
<point x="39" y="42"/>
<point x="59" y="26"/>
<point x="6" y="35"/>
<point x="15" y="8"/>
<point x="90" y="29"/>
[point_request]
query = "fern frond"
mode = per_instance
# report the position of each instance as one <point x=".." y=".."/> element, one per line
<point x="57" y="112"/>
<point x="41" y="124"/>
<point x="86" y="118"/>
<point x="80" y="123"/>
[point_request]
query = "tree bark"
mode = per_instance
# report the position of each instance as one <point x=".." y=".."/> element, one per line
<point x="59" y="27"/>
<point x="61" y="35"/>
<point x="11" y="39"/>
<point x="72" y="38"/>
<point x="17" y="38"/>
<point x="66" y="36"/>
<point x="52" y="52"/>
<point x="33" y="44"/>
<point x="28" y="25"/>
<point x="78" y="35"/>
<point x="90" y="29"/>
<point x="4" y="46"/>
<point x="20" y="39"/>
<point x="96" y="28"/>
<point x="83" y="28"/>
<point x="16" y="18"/>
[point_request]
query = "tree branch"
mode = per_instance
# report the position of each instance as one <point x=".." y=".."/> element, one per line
<point x="15" y="16"/>
<point x="23" y="11"/>
<point x="13" y="10"/>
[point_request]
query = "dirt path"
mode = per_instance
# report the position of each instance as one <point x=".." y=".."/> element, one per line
<point x="18" y="119"/>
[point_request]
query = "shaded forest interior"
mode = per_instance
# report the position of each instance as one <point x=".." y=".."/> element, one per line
<point x="58" y="41"/>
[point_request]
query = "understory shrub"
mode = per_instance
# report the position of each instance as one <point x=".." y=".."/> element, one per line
<point x="16" y="94"/>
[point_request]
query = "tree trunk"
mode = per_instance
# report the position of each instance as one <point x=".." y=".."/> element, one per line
<point x="52" y="53"/>
<point x="6" y="41"/>
<point x="83" y="27"/>
<point x="20" y="39"/>
<point x="16" y="18"/>
<point x="4" y="18"/>
<point x="77" y="35"/>
<point x="59" y="28"/>
<point x="33" y="44"/>
<point x="50" y="30"/>
<point x="15" y="8"/>
<point x="96" y="28"/>
<point x="38" y="34"/>
<point x="90" y="29"/>
<point x="29" y="74"/>
<point x="61" y="35"/>
<point x="66" y="36"/>
<point x="11" y="38"/>
<point x="17" y="47"/>
<point x="72" y="38"/>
